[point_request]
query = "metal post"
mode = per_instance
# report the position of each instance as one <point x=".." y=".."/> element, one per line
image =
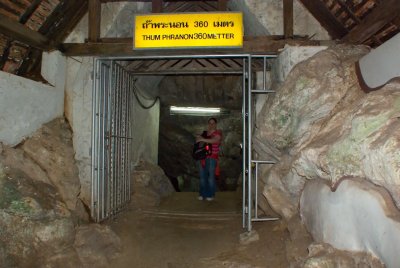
<point x="94" y="140"/>
<point x="244" y="152"/>
<point x="264" y="72"/>
<point x="249" y="145"/>
<point x="256" y="218"/>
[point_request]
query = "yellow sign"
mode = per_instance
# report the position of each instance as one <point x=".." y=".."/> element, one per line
<point x="186" y="30"/>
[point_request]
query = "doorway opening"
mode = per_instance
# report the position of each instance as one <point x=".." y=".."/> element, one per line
<point x="113" y="124"/>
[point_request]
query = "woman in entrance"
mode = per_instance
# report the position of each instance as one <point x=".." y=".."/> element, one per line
<point x="208" y="166"/>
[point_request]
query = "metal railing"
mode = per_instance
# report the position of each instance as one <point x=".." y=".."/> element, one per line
<point x="250" y="176"/>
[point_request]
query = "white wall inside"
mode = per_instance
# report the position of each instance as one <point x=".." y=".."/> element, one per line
<point x="26" y="105"/>
<point x="145" y="133"/>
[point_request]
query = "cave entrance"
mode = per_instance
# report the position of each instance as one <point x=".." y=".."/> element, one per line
<point x="113" y="128"/>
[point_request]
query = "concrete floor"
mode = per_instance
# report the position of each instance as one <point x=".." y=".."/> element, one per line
<point x="185" y="232"/>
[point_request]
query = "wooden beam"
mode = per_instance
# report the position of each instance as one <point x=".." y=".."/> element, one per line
<point x="94" y="20"/>
<point x="222" y="5"/>
<point x="381" y="15"/>
<point x="288" y="18"/>
<point x="318" y="9"/>
<point x="29" y="11"/>
<point x="156" y="6"/>
<point x="147" y="1"/>
<point x="255" y="45"/>
<point x="19" y="32"/>
<point x="71" y="17"/>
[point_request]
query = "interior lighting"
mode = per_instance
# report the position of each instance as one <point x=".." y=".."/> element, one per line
<point x="194" y="110"/>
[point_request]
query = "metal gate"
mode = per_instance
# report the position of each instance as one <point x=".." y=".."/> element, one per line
<point x="112" y="102"/>
<point x="112" y="133"/>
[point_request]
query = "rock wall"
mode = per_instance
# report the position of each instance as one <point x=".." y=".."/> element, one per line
<point x="358" y="216"/>
<point x="178" y="132"/>
<point x="149" y="185"/>
<point x="43" y="222"/>
<point x="321" y="126"/>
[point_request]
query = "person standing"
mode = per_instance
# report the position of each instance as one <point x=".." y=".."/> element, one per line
<point x="208" y="166"/>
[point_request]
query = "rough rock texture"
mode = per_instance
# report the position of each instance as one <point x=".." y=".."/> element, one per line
<point x="97" y="245"/>
<point x="148" y="185"/>
<point x="177" y="132"/>
<point x="177" y="135"/>
<point x="321" y="126"/>
<point x="35" y="224"/>
<point x="37" y="227"/>
<point x="51" y="148"/>
<point x="363" y="142"/>
<point x="325" y="256"/>
<point x="310" y="95"/>
<point x="299" y="240"/>
<point x="315" y="91"/>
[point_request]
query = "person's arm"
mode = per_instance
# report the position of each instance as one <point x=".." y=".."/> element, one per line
<point x="215" y="139"/>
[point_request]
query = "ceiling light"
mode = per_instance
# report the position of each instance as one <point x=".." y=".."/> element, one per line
<point x="194" y="110"/>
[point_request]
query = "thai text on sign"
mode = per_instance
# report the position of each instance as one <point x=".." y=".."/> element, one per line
<point x="187" y="30"/>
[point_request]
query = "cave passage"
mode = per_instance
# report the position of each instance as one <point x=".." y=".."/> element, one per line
<point x="130" y="125"/>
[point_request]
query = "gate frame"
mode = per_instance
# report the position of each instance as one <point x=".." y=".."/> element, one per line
<point x="248" y="214"/>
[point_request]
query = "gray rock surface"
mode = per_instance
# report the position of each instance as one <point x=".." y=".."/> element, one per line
<point x="148" y="185"/>
<point x="325" y="256"/>
<point x="320" y="125"/>
<point x="51" y="148"/>
<point x="96" y="245"/>
<point x="177" y="132"/>
<point x="38" y="180"/>
<point x="35" y="224"/>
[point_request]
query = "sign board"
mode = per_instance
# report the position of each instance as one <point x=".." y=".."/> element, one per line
<point x="188" y="30"/>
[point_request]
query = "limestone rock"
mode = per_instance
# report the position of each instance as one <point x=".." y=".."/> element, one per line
<point x="149" y="184"/>
<point x="97" y="245"/>
<point x="67" y="259"/>
<point x="363" y="143"/>
<point x="51" y="148"/>
<point x="358" y="216"/>
<point x="321" y="125"/>
<point x="249" y="237"/>
<point x="312" y="91"/>
<point x="300" y="239"/>
<point x="279" y="190"/>
<point x="16" y="158"/>
<point x="34" y="223"/>
<point x="325" y="256"/>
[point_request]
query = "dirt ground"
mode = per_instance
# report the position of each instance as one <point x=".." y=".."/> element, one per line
<point x="185" y="232"/>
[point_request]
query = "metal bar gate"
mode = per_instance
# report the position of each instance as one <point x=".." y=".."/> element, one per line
<point x="112" y="133"/>
<point x="112" y="101"/>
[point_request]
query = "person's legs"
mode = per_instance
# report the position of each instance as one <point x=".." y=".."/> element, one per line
<point x="211" y="177"/>
<point x="203" y="179"/>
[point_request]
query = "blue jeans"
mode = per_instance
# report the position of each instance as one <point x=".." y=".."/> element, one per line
<point x="207" y="178"/>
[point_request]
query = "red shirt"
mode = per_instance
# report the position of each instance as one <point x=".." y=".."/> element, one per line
<point x="215" y="146"/>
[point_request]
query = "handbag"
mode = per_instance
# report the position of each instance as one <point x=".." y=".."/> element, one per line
<point x="201" y="149"/>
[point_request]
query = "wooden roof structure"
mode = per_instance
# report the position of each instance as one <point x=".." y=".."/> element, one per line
<point x="29" y="27"/>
